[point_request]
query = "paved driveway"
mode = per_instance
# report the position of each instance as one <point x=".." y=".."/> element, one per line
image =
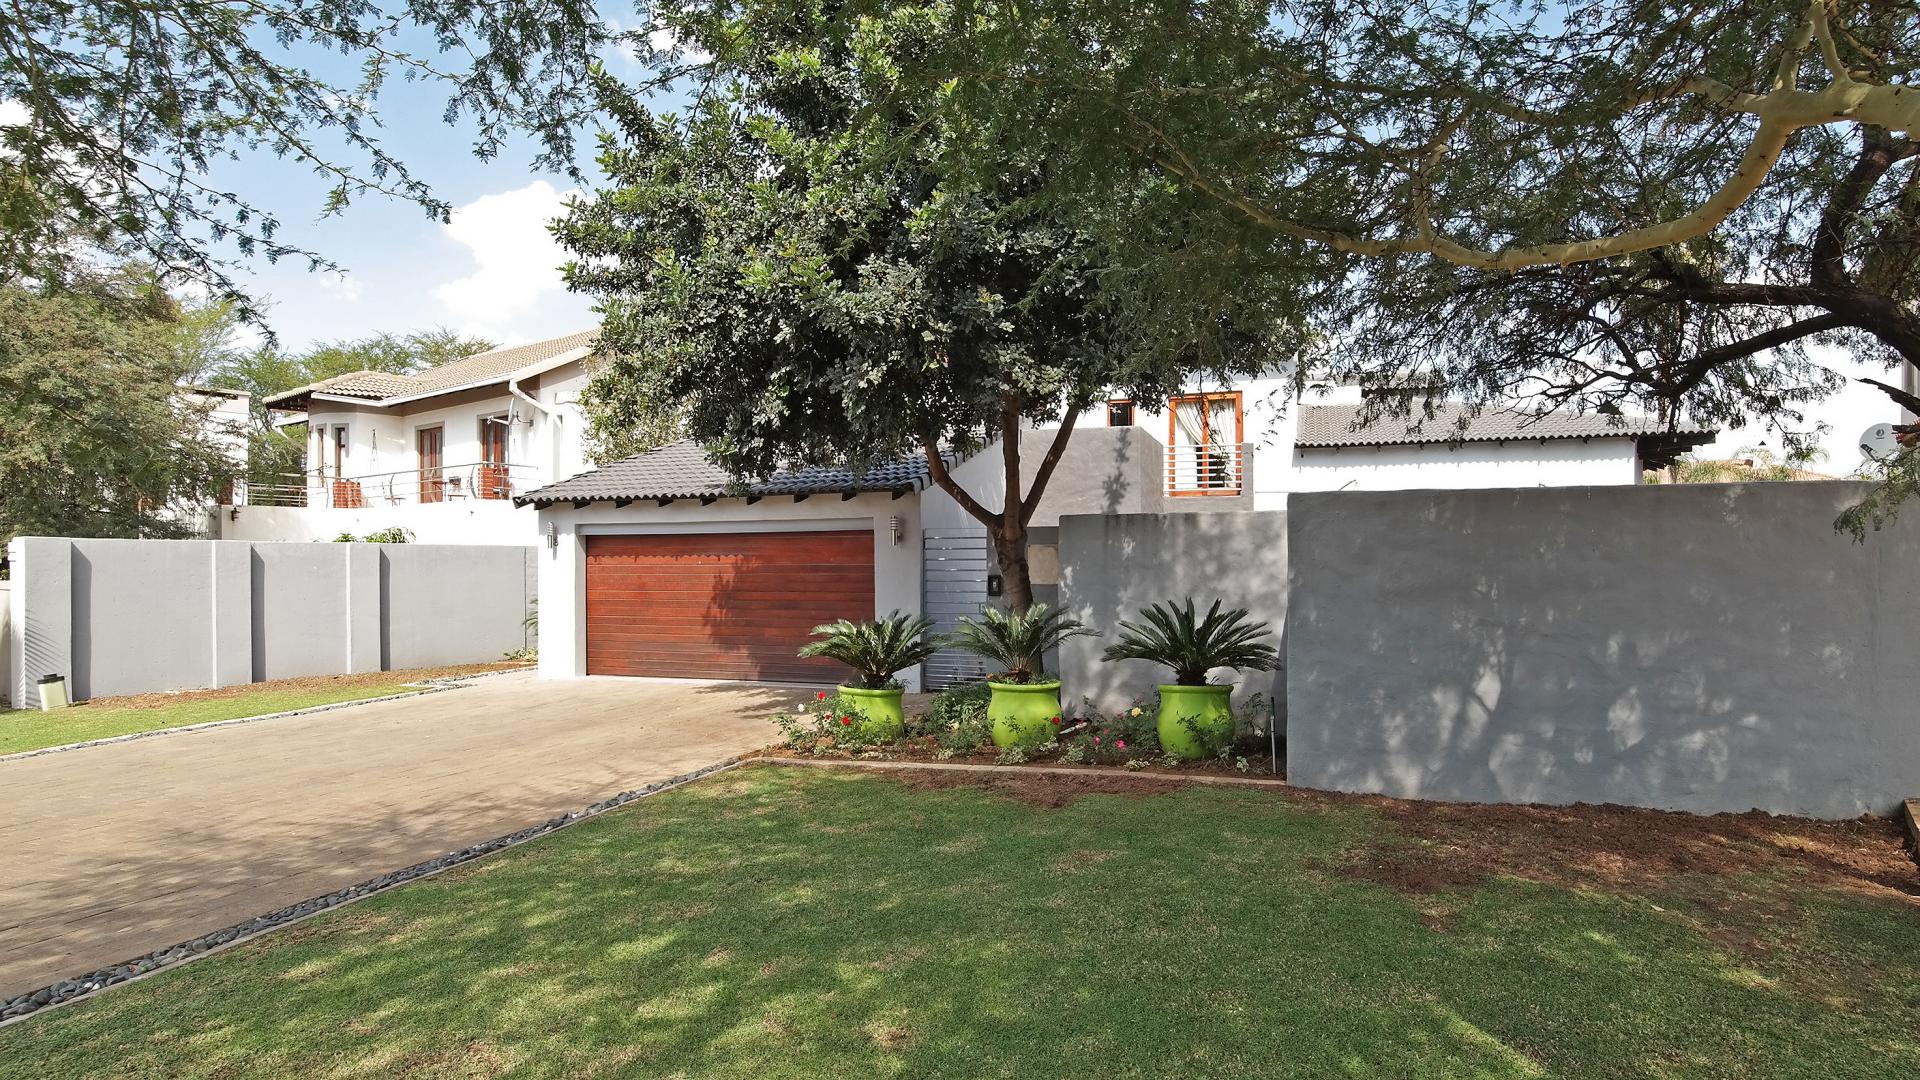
<point x="112" y="851"/>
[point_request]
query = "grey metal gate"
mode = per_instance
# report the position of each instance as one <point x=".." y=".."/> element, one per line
<point x="955" y="564"/>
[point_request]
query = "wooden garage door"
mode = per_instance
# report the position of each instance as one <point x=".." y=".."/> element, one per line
<point x="722" y="605"/>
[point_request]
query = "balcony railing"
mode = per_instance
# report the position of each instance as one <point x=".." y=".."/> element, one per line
<point x="484" y="480"/>
<point x="1205" y="470"/>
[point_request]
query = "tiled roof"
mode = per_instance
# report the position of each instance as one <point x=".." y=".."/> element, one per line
<point x="478" y="368"/>
<point x="1339" y="425"/>
<point x="682" y="470"/>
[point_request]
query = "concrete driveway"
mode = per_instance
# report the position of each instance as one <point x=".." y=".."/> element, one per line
<point x="109" y="852"/>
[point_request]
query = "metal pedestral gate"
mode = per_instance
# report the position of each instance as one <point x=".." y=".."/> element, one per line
<point x="954" y="568"/>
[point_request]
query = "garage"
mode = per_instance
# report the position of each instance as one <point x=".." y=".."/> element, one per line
<point x="722" y="605"/>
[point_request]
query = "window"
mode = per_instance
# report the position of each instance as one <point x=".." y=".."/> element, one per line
<point x="433" y="482"/>
<point x="1204" y="433"/>
<point x="1120" y="413"/>
<point x="339" y="450"/>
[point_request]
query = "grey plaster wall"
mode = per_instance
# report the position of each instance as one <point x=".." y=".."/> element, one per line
<point x="135" y="616"/>
<point x="418" y="605"/>
<point x="1111" y="566"/>
<point x="1702" y="647"/>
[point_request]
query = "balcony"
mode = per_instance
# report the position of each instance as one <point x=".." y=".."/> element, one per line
<point x="479" y="481"/>
<point x="1205" y="470"/>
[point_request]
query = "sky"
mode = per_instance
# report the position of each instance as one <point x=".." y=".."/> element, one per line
<point x="493" y="270"/>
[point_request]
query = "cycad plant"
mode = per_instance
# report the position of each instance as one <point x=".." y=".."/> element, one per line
<point x="874" y="649"/>
<point x="1192" y="646"/>
<point x="1016" y="640"/>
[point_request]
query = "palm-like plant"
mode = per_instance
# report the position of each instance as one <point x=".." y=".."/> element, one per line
<point x="874" y="649"/>
<point x="1018" y="640"/>
<point x="1192" y="646"/>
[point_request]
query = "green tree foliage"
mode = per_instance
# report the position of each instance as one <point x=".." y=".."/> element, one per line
<point x="790" y="272"/>
<point x="127" y="103"/>
<point x="1604" y="206"/>
<point x="96" y="438"/>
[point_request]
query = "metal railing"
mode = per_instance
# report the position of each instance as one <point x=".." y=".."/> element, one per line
<point x="484" y="480"/>
<point x="1205" y="470"/>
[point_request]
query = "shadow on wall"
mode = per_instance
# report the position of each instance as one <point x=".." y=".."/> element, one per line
<point x="1706" y="648"/>
<point x="1112" y="566"/>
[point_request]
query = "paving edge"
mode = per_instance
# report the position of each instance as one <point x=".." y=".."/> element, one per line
<point x="67" y="991"/>
<point x="950" y="766"/>
<point x="426" y="686"/>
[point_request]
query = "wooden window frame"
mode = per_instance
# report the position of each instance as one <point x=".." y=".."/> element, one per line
<point x="492" y="479"/>
<point x="1117" y="403"/>
<point x="1239" y="437"/>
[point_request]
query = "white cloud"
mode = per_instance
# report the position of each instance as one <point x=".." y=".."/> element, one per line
<point x="516" y="262"/>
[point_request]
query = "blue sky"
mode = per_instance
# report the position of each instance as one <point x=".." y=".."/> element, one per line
<point x="493" y="270"/>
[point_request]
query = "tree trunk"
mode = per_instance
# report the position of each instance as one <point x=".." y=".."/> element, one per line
<point x="1007" y="527"/>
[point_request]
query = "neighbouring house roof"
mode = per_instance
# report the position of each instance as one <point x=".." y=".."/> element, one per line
<point x="1340" y="425"/>
<point x="480" y="369"/>
<point x="681" y="470"/>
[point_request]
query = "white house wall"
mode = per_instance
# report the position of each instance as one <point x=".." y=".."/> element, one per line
<point x="1532" y="463"/>
<point x="563" y="565"/>
<point x="456" y="521"/>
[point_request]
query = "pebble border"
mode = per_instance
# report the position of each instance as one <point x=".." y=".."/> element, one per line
<point x="427" y="686"/>
<point x="67" y="991"/>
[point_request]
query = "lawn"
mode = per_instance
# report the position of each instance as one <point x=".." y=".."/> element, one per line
<point x="776" y="922"/>
<point x="104" y="718"/>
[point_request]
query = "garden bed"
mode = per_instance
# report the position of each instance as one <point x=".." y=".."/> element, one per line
<point x="952" y="727"/>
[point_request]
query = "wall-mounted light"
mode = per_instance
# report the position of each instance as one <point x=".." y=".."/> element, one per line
<point x="553" y="537"/>
<point x="899" y="529"/>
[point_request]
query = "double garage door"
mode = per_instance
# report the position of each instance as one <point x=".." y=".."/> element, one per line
<point x="722" y="605"/>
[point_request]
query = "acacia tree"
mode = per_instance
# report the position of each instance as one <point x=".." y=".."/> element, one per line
<point x="792" y="304"/>
<point x="113" y="111"/>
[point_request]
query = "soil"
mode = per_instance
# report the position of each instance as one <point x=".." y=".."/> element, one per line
<point x="1045" y="789"/>
<point x="1457" y="844"/>
<point x="1435" y="848"/>
<point x="926" y="750"/>
<point x="308" y="683"/>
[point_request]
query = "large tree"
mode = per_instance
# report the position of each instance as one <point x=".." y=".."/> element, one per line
<point x="113" y="112"/>
<point x="792" y="303"/>
<point x="96" y="438"/>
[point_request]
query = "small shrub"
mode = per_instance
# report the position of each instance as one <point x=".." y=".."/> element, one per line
<point x="956" y="720"/>
<point x="1192" y="645"/>
<point x="1018" y="640"/>
<point x="828" y="722"/>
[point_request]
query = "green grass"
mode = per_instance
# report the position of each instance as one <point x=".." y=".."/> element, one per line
<point x="812" y="923"/>
<point x="31" y="729"/>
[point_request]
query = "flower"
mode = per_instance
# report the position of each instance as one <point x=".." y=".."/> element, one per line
<point x="1055" y="720"/>
<point x="1135" y="712"/>
<point x="1120" y="744"/>
<point x="821" y="696"/>
<point x="1096" y="740"/>
<point x="846" y="719"/>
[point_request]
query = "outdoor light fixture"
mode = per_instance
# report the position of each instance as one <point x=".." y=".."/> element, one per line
<point x="899" y="531"/>
<point x="553" y="537"/>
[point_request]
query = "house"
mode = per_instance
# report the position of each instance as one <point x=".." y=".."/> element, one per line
<point x="223" y="419"/>
<point x="659" y="565"/>
<point x="440" y="453"/>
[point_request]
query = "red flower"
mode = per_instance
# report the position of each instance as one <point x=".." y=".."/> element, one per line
<point x="821" y="696"/>
<point x="846" y="719"/>
<point x="1055" y="720"/>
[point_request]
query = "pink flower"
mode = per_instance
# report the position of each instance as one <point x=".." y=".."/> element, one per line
<point x="1096" y="740"/>
<point x="1121" y="743"/>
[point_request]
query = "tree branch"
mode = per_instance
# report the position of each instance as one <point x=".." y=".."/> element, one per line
<point x="942" y="479"/>
<point x="1054" y="450"/>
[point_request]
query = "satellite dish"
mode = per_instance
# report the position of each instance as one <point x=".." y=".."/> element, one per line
<point x="1878" y="441"/>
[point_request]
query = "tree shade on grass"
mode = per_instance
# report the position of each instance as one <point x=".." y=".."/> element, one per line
<point x="30" y="729"/>
<point x="802" y="923"/>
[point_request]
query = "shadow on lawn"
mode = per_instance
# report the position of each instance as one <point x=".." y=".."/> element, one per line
<point x="776" y="922"/>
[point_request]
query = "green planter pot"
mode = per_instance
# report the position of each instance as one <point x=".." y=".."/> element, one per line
<point x="882" y="718"/>
<point x="1210" y="707"/>
<point x="1022" y="713"/>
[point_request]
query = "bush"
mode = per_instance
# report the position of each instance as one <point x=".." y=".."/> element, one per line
<point x="1018" y="641"/>
<point x="1174" y="637"/>
<point x="828" y="722"/>
<point x="956" y="719"/>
